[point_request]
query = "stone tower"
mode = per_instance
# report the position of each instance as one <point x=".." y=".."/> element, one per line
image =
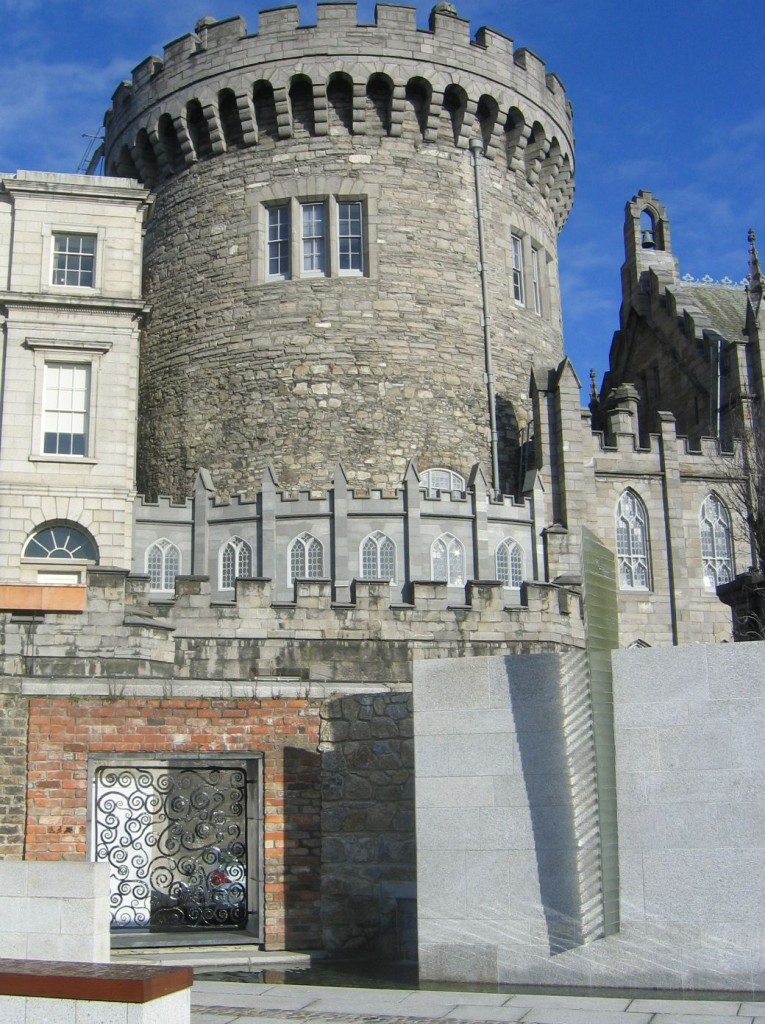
<point x="312" y="262"/>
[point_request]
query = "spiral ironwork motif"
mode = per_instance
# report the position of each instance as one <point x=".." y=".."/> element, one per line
<point x="175" y="840"/>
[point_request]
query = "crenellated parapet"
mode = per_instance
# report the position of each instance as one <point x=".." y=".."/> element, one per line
<point x="220" y="89"/>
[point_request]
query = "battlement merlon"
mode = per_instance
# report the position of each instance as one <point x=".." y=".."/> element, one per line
<point x="220" y="54"/>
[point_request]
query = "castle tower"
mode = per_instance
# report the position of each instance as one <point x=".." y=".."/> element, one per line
<point x="312" y="262"/>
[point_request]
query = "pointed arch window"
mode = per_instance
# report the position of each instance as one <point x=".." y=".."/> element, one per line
<point x="632" y="551"/>
<point x="510" y="563"/>
<point x="163" y="564"/>
<point x="378" y="557"/>
<point x="716" y="541"/>
<point x="447" y="560"/>
<point x="234" y="562"/>
<point x="306" y="558"/>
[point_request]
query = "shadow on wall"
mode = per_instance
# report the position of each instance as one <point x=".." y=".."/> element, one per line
<point x="557" y="761"/>
<point x="510" y="471"/>
<point x="301" y="830"/>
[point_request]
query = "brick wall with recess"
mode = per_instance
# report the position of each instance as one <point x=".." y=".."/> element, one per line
<point x="62" y="732"/>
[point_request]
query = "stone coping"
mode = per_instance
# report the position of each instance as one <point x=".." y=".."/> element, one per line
<point x="106" y="983"/>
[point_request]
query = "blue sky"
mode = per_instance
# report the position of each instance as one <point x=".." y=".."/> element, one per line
<point x="668" y="96"/>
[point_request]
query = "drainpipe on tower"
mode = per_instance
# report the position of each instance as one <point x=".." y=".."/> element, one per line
<point x="476" y="147"/>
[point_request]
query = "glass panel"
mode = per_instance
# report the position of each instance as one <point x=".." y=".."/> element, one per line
<point x="313" y="238"/>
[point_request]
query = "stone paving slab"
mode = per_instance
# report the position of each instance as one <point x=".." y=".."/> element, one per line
<point x="699" y="1018"/>
<point x="687" y="1007"/>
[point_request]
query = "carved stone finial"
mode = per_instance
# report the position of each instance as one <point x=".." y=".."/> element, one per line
<point x="754" y="282"/>
<point x="593" y="386"/>
<point x="445" y="8"/>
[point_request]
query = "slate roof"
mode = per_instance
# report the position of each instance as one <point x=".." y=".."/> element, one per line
<point x="725" y="306"/>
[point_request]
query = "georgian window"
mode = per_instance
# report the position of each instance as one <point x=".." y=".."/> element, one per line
<point x="716" y="542"/>
<point x="61" y="541"/>
<point x="163" y="564"/>
<point x="510" y="563"/>
<point x="447" y="561"/>
<point x="66" y="407"/>
<point x="234" y="562"/>
<point x="306" y="558"/>
<point x="313" y="217"/>
<point x="439" y="479"/>
<point x="632" y="550"/>
<point x="350" y="237"/>
<point x="378" y="557"/>
<point x="519" y="289"/>
<point x="279" y="241"/>
<point x="322" y="237"/>
<point x="74" y="260"/>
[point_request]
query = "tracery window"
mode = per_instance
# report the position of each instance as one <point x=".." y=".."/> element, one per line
<point x="306" y="558"/>
<point x="447" y="560"/>
<point x="163" y="564"/>
<point x="378" y="557"/>
<point x="632" y="551"/>
<point x="235" y="562"/>
<point x="716" y="541"/>
<point x="510" y="563"/>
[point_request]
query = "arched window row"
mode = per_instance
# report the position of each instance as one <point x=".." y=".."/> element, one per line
<point x="163" y="564"/>
<point x="632" y="545"/>
<point x="716" y="541"/>
<point x="234" y="562"/>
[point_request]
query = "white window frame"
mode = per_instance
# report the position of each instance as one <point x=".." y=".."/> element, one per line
<point x="439" y="478"/>
<point x="242" y="562"/>
<point x="295" y="248"/>
<point x="66" y="407"/>
<point x="313" y="238"/>
<point x="633" y="549"/>
<point x="454" y="559"/>
<point x="166" y="576"/>
<point x="510" y="563"/>
<point x="536" y="281"/>
<point x="518" y="283"/>
<point x="49" y="351"/>
<point x="346" y="235"/>
<point x="717" y="551"/>
<point x="74" y="260"/>
<point x="279" y="247"/>
<point x="304" y="542"/>
<point x="379" y="540"/>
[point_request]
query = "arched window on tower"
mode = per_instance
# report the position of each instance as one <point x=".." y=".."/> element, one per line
<point x="447" y="561"/>
<point x="306" y="558"/>
<point x="378" y="557"/>
<point x="510" y="563"/>
<point x="716" y="541"/>
<point x="163" y="564"/>
<point x="234" y="562"/>
<point x="440" y="479"/>
<point x="632" y="550"/>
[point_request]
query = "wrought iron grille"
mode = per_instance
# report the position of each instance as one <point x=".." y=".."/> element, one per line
<point x="175" y="839"/>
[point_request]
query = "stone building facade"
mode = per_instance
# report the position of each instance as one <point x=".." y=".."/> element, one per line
<point x="360" y="445"/>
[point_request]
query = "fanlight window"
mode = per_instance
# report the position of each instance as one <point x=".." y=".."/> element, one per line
<point x="235" y="562"/>
<point x="439" y="479"/>
<point x="716" y="542"/>
<point x="61" y="541"/>
<point x="378" y="558"/>
<point x="447" y="560"/>
<point x="163" y="564"/>
<point x="632" y="543"/>
<point x="306" y="558"/>
<point x="510" y="563"/>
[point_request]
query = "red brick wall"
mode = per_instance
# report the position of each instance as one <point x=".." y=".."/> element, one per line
<point x="62" y="732"/>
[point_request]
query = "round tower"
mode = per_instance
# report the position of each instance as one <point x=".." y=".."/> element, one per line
<point x="312" y="262"/>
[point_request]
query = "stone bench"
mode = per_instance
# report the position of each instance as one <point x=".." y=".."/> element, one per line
<point x="34" y="990"/>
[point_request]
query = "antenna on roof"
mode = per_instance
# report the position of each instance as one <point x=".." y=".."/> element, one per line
<point x="93" y="154"/>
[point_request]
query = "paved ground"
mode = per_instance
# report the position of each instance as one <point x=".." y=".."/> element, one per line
<point x="221" y="1002"/>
